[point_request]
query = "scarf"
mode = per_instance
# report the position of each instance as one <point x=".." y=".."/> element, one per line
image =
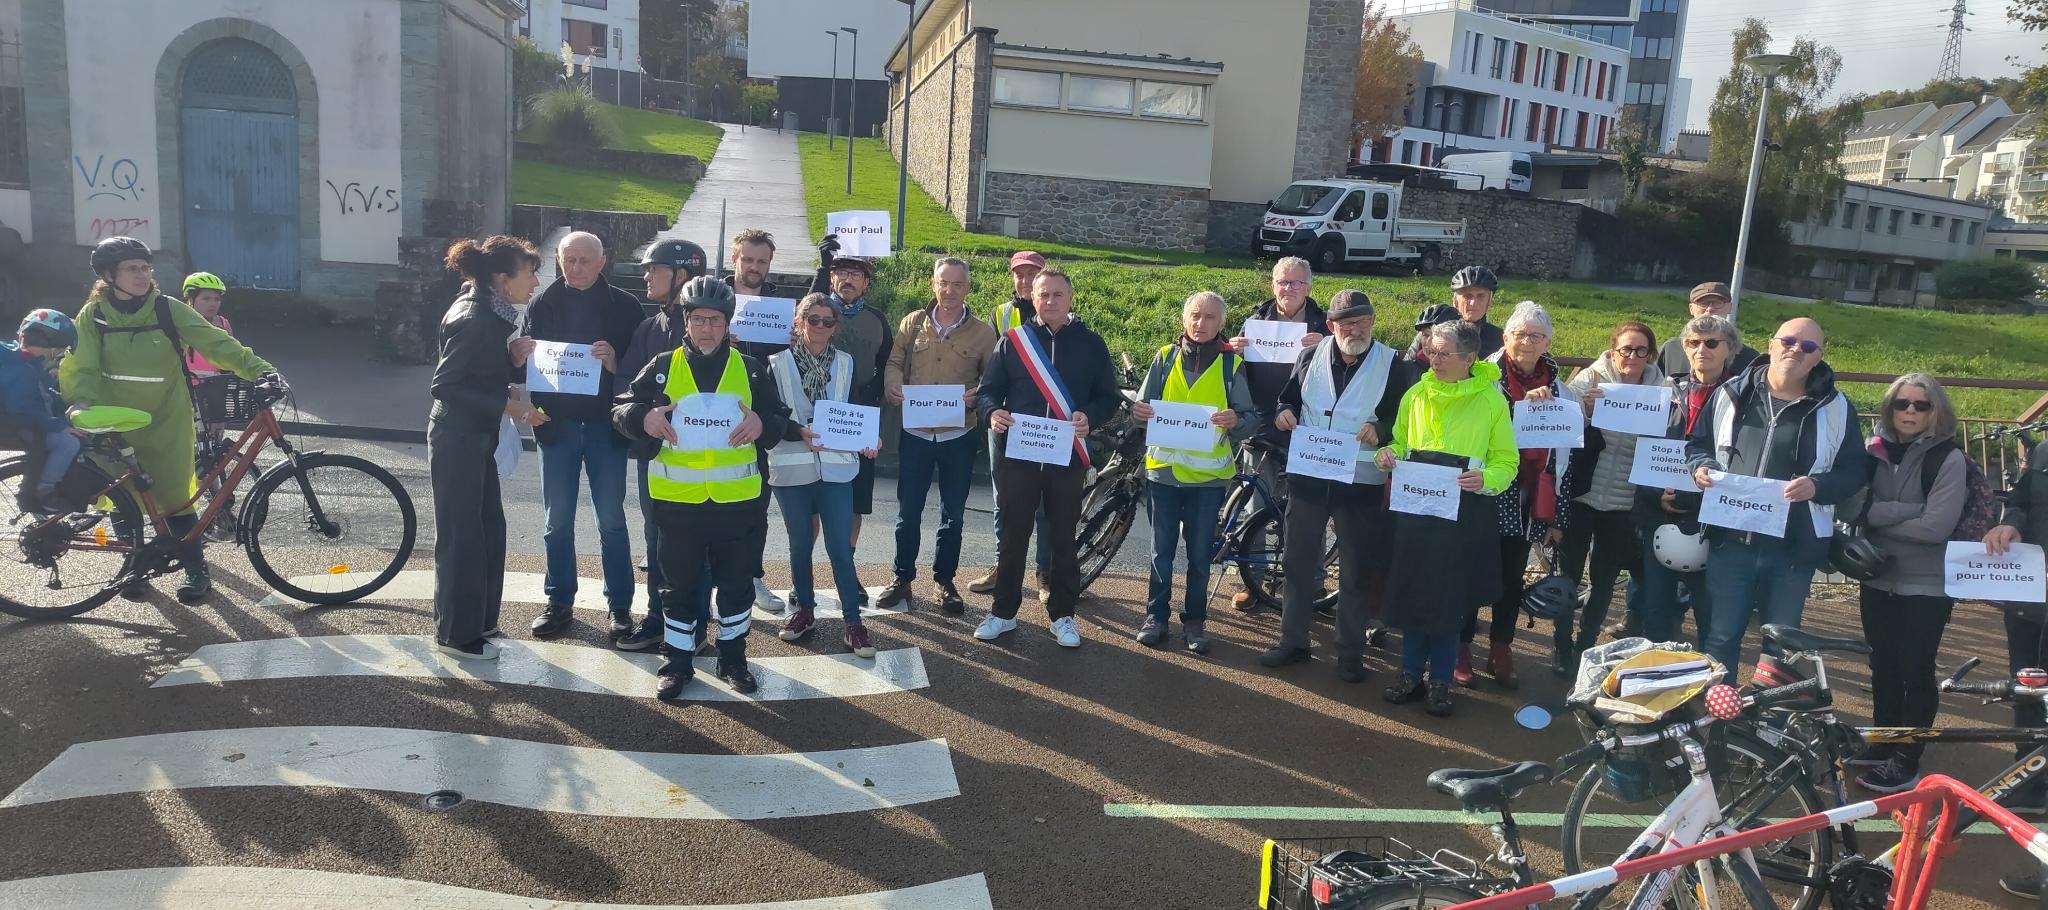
<point x="501" y="306"/>
<point x="850" y="310"/>
<point x="1533" y="472"/>
<point x="1195" y="356"/>
<point x="813" y="369"/>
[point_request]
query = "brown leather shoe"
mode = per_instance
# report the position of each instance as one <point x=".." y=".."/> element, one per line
<point x="985" y="584"/>
<point x="1242" y="602"/>
<point x="897" y="592"/>
<point x="949" y="598"/>
<point x="1500" y="664"/>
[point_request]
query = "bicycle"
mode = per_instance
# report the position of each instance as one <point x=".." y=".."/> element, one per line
<point x="345" y="519"/>
<point x="2023" y="435"/>
<point x="216" y="401"/>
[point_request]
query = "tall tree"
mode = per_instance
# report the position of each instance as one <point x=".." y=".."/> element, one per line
<point x="1387" y="59"/>
<point x="2032" y="15"/>
<point x="1631" y="145"/>
<point x="674" y="33"/>
<point x="1807" y="132"/>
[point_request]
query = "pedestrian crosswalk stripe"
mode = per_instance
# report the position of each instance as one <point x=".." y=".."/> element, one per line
<point x="574" y="668"/>
<point x="828" y="602"/>
<point x="548" y="777"/>
<point x="210" y="887"/>
<point x="521" y="587"/>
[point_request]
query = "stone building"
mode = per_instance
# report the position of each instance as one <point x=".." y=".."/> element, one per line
<point x="281" y="144"/>
<point x="1149" y="123"/>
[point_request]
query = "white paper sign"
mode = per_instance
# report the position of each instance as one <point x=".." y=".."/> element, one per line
<point x="1180" y="425"/>
<point x="844" y="427"/>
<point x="1638" y="410"/>
<point x="1040" y="439"/>
<point x="709" y="423"/>
<point x="934" y="407"/>
<point x="1660" y="464"/>
<point x="1743" y="503"/>
<point x="1424" y="489"/>
<point x="563" y="368"/>
<point x="1553" y="424"/>
<point x="1973" y="573"/>
<point x="863" y="234"/>
<point x="1273" y="341"/>
<point x="763" y="320"/>
<point x="1313" y="452"/>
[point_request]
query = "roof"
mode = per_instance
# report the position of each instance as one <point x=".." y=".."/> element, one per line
<point x="1946" y="117"/>
<point x="1992" y="132"/>
<point x="1156" y="59"/>
<point x="1887" y="120"/>
<point x="1905" y="145"/>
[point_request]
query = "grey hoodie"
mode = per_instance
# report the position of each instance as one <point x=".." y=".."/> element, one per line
<point x="1611" y="491"/>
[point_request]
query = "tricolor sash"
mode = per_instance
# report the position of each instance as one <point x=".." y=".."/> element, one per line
<point x="1038" y="365"/>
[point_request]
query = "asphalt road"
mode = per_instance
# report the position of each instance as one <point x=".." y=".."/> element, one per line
<point x="304" y="739"/>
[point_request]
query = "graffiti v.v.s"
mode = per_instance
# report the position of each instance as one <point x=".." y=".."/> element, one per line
<point x="119" y="180"/>
<point x="354" y="198"/>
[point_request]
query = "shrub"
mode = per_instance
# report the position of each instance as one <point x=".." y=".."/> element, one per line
<point x="571" y="115"/>
<point x="1985" y="279"/>
<point x="533" y="70"/>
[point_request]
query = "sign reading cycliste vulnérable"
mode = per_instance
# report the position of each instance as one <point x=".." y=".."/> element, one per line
<point x="1323" y="454"/>
<point x="1553" y="424"/>
<point x="562" y="367"/>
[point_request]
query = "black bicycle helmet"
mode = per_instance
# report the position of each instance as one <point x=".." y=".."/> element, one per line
<point x="113" y="251"/>
<point x="1475" y="276"/>
<point x="706" y="292"/>
<point x="47" y="328"/>
<point x="1852" y="554"/>
<point x="1435" y="314"/>
<point x="1551" y="596"/>
<point x="680" y="254"/>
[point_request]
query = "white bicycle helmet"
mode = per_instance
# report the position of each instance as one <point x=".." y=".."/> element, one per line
<point x="1679" y="551"/>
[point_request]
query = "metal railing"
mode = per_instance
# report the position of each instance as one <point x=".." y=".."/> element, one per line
<point x="1469" y="6"/>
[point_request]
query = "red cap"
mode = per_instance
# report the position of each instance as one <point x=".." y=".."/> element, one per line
<point x="1026" y="257"/>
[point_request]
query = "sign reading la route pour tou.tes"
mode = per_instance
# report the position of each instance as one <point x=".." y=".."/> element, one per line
<point x="1180" y="425"/>
<point x="1743" y="503"/>
<point x="563" y="368"/>
<point x="763" y="320"/>
<point x="2018" y="576"/>
<point x="1273" y="341"/>
<point x="1553" y="424"/>
<point x="844" y="427"/>
<point x="1418" y="488"/>
<point x="934" y="407"/>
<point x="1323" y="454"/>
<point x="1638" y="410"/>
<point x="1660" y="465"/>
<point x="1040" y="439"/>
<point x="863" y="234"/>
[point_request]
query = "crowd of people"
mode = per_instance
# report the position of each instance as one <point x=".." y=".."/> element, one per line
<point x="716" y="428"/>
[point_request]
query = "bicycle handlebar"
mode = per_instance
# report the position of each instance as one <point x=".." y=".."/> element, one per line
<point x="2016" y="430"/>
<point x="1786" y="693"/>
<point x="1587" y="754"/>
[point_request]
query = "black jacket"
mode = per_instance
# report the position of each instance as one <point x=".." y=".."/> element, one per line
<point x="1791" y="454"/>
<point x="470" y="378"/>
<point x="648" y="391"/>
<point x="1079" y="356"/>
<point x="1400" y="376"/>
<point x="867" y="371"/>
<point x="548" y="319"/>
<point x="2026" y="506"/>
<point x="1267" y="379"/>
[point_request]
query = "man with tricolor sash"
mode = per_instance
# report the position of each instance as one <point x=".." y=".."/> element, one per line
<point x="716" y="413"/>
<point x="1049" y="370"/>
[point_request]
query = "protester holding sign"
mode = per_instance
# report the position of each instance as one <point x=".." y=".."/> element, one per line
<point x="1602" y="526"/>
<point x="1709" y="343"/>
<point x="1291" y="280"/>
<point x="935" y="366"/>
<point x="1024" y="268"/>
<point x="813" y="483"/>
<point x="1056" y="368"/>
<point x="864" y="332"/>
<point x="578" y="442"/>
<point x="1784" y="420"/>
<point x="1351" y="385"/>
<point x="1456" y="414"/>
<point x="2025" y="519"/>
<point x="752" y="259"/>
<point x="1187" y="484"/>
<point x="1531" y="511"/>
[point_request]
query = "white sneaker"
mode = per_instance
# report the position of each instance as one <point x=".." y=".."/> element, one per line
<point x="765" y="599"/>
<point x="1066" y="633"/>
<point x="994" y="627"/>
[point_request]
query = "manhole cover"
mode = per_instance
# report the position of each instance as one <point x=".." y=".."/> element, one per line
<point x="442" y="800"/>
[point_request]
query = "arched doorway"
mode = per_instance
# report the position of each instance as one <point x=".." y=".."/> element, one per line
<point x="239" y="154"/>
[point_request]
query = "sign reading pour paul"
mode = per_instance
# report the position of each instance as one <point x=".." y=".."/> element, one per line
<point x="863" y="234"/>
<point x="1181" y="425"/>
<point x="934" y="407"/>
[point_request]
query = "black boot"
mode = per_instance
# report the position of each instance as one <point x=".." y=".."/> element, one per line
<point x="732" y="666"/>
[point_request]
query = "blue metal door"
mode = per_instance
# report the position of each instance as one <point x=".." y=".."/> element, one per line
<point x="239" y="154"/>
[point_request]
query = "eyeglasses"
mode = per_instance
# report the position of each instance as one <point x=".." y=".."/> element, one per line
<point x="136" y="270"/>
<point x="1708" y="343"/>
<point x="1921" y="406"/>
<point x="1528" y="336"/>
<point x="820" y="322"/>
<point x="1289" y="283"/>
<point x="707" y="320"/>
<point x="1441" y="355"/>
<point x="1637" y="351"/>
<point x="848" y="273"/>
<point x="1802" y="345"/>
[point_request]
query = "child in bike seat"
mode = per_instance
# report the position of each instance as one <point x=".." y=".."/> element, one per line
<point x="31" y="411"/>
<point x="205" y="292"/>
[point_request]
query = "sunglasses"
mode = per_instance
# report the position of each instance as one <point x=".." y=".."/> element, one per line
<point x="1904" y="404"/>
<point x="1708" y="343"/>
<point x="1801" y="345"/>
<point x="820" y="322"/>
<point x="1635" y="351"/>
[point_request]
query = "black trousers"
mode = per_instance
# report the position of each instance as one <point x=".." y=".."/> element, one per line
<point x="1904" y="632"/>
<point x="1514" y="567"/>
<point x="1363" y="527"/>
<point x="469" y="532"/>
<point x="1610" y="539"/>
<point x="725" y="540"/>
<point x="1022" y="489"/>
<point x="2023" y="627"/>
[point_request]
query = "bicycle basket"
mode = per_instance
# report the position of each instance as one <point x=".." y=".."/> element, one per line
<point x="1332" y="873"/>
<point x="225" y="398"/>
<point x="1635" y="687"/>
<point x="1637" y="774"/>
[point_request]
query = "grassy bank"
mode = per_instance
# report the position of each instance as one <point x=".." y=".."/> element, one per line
<point x="665" y="133"/>
<point x="535" y="183"/>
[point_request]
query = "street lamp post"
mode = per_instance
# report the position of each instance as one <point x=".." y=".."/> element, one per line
<point x="903" y="153"/>
<point x="852" y="100"/>
<point x="1443" y="124"/>
<point x="832" y="108"/>
<point x="1768" y="66"/>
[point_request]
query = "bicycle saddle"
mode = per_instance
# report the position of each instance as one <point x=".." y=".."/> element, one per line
<point x="105" y="418"/>
<point x="1792" y="639"/>
<point x="1489" y="790"/>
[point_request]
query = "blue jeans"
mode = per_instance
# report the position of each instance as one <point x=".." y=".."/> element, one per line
<point x="1044" y="556"/>
<point x="1439" y="652"/>
<point x="1653" y="594"/>
<point x="652" y="533"/>
<point x="832" y="503"/>
<point x="918" y="459"/>
<point x="1763" y="578"/>
<point x="575" y="452"/>
<point x="60" y="449"/>
<point x="1179" y="513"/>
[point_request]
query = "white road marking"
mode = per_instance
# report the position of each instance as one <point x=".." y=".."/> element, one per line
<point x="525" y="587"/>
<point x="574" y="668"/>
<point x="828" y="603"/>
<point x="553" y="778"/>
<point x="249" y="888"/>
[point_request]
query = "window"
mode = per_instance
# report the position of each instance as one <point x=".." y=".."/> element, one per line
<point x="1500" y="57"/>
<point x="1521" y="57"/>
<point x="1917" y="218"/>
<point x="1030" y="88"/>
<point x="1407" y="151"/>
<point x="1563" y="67"/>
<point x="1636" y="47"/>
<point x="1380" y="206"/>
<point x="1614" y="85"/>
<point x="1657" y="92"/>
<point x="1535" y="122"/>
<point x="1973" y="233"/>
<point x="593" y="4"/>
<point x="1849" y="214"/>
<point x="1902" y="277"/>
<point x="1870" y="219"/>
<point x="1580" y="136"/>
<point x="1860" y="275"/>
<point x="1575" y="178"/>
<point x="1600" y="87"/>
<point x="584" y="37"/>
<point x="1172" y="100"/>
<point x="1892" y="227"/>
<point x="1095" y="93"/>
<point x="1473" y="42"/>
<point x="1955" y="229"/>
<point x="1354" y="206"/>
<point x="1938" y="221"/>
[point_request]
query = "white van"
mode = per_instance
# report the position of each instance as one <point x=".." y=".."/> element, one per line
<point x="1497" y="170"/>
<point x="1338" y="222"/>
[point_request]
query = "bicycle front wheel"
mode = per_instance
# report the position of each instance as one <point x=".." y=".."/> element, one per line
<point x="1106" y="520"/>
<point x="60" y="568"/>
<point x="330" y="530"/>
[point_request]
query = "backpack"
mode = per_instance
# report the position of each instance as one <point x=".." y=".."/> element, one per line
<point x="1980" y="504"/>
<point x="164" y="324"/>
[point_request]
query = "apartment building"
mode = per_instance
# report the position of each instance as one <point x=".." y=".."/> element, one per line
<point x="603" y="34"/>
<point x="1881" y="244"/>
<point x="1981" y="150"/>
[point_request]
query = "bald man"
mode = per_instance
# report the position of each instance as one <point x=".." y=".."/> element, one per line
<point x="1781" y="419"/>
<point x="578" y="442"/>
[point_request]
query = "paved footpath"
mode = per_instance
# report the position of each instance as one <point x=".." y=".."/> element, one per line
<point x="756" y="176"/>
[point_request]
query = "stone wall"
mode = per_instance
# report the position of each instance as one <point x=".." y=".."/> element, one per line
<point x="1231" y="226"/>
<point x="949" y="126"/>
<point x="1101" y="212"/>
<point x="1329" y="78"/>
<point x="686" y="168"/>
<point x="406" y="315"/>
<point x="1513" y="235"/>
<point x="623" y="233"/>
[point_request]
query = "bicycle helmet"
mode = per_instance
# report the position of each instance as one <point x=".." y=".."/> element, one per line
<point x="113" y="251"/>
<point x="1852" y="554"/>
<point x="1475" y="276"/>
<point x="204" y="281"/>
<point x="679" y="254"/>
<point x="706" y="292"/>
<point x="1435" y="314"/>
<point x="47" y="328"/>
<point x="1551" y="597"/>
<point x="1678" y="550"/>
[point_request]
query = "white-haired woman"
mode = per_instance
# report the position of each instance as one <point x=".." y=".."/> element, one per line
<point x="1916" y="498"/>
<point x="1710" y="345"/>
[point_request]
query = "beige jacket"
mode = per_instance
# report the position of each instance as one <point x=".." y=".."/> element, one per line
<point x="957" y="359"/>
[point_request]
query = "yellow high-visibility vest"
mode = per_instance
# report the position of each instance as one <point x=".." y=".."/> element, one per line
<point x="704" y="468"/>
<point x="1191" y="467"/>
